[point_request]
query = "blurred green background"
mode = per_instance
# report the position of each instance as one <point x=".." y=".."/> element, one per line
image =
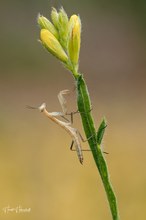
<point x="37" y="168"/>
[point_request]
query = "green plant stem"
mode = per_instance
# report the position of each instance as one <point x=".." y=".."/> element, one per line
<point x="84" y="107"/>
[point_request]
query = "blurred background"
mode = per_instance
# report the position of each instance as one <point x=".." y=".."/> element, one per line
<point x="38" y="170"/>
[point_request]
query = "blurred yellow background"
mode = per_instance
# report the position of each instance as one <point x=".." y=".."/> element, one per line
<point x="37" y="168"/>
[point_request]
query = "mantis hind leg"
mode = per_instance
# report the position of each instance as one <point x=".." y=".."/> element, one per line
<point x="84" y="140"/>
<point x="88" y="150"/>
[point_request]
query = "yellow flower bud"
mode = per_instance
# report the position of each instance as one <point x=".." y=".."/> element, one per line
<point x="53" y="45"/>
<point x="74" y="39"/>
<point x="44" y="23"/>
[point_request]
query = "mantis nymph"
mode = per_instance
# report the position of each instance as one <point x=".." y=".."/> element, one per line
<point x="73" y="132"/>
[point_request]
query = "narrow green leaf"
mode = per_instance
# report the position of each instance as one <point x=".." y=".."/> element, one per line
<point x="100" y="131"/>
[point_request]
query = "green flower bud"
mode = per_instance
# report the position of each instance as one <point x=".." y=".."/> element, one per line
<point x="63" y="28"/>
<point x="44" y="23"/>
<point x="63" y="18"/>
<point x="54" y="17"/>
<point x="74" y="40"/>
<point x="53" y="45"/>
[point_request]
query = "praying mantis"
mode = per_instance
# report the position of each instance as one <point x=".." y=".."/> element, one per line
<point x="73" y="132"/>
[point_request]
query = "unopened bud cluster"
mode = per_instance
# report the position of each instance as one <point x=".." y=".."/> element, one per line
<point x="62" y="37"/>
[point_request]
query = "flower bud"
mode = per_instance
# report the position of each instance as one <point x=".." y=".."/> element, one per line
<point x="54" y="17"/>
<point x="63" y="28"/>
<point x="53" y="45"/>
<point x="44" y="23"/>
<point x="74" y="39"/>
<point x="63" y="18"/>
